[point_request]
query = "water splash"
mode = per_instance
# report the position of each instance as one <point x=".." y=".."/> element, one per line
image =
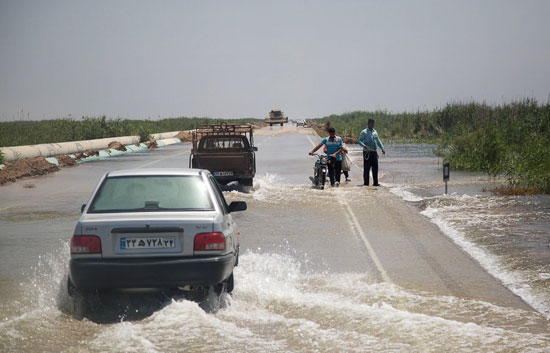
<point x="277" y="306"/>
<point x="280" y="306"/>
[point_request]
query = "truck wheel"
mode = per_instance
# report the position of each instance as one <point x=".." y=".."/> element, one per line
<point x="246" y="182"/>
<point x="270" y="124"/>
<point x="281" y="124"/>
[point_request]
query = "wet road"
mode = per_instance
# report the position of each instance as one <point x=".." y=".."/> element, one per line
<point x="347" y="269"/>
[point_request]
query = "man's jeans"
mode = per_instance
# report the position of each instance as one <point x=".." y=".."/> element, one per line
<point x="367" y="164"/>
<point x="334" y="170"/>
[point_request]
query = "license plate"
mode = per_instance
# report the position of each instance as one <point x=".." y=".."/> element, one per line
<point x="223" y="173"/>
<point x="127" y="243"/>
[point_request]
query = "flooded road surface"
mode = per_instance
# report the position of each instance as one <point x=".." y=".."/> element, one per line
<point x="340" y="270"/>
<point x="508" y="235"/>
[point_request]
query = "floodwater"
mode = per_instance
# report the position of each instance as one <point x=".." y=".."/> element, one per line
<point x="304" y="282"/>
<point x="508" y="235"/>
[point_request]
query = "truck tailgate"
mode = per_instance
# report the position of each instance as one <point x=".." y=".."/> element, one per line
<point x="215" y="162"/>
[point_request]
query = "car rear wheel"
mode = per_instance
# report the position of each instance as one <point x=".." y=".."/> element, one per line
<point x="226" y="286"/>
<point x="72" y="290"/>
<point x="77" y="304"/>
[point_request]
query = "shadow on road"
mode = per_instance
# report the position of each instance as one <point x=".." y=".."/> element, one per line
<point x="236" y="187"/>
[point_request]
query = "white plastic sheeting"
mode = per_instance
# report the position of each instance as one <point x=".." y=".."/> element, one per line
<point x="106" y="153"/>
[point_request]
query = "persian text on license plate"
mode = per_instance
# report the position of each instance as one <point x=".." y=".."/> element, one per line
<point x="148" y="243"/>
<point x="223" y="173"/>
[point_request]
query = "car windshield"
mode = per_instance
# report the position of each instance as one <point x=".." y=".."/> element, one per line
<point x="151" y="193"/>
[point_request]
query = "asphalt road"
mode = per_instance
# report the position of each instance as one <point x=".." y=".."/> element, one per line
<point x="350" y="228"/>
<point x="373" y="230"/>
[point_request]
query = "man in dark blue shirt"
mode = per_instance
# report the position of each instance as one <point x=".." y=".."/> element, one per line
<point x="369" y="140"/>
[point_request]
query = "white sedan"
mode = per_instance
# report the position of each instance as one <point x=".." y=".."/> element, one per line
<point x="155" y="228"/>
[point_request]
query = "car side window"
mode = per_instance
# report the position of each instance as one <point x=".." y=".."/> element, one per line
<point x="219" y="194"/>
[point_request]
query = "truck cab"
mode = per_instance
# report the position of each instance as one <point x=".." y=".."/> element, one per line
<point x="276" y="117"/>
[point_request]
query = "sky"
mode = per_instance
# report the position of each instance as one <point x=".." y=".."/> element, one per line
<point x="240" y="59"/>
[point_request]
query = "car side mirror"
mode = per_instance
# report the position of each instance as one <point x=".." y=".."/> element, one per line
<point x="237" y="206"/>
<point x="82" y="207"/>
<point x="255" y="148"/>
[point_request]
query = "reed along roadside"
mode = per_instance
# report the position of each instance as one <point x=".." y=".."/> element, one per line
<point x="510" y="140"/>
<point x="19" y="133"/>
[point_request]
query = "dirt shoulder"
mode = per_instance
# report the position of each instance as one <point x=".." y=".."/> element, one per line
<point x="27" y="167"/>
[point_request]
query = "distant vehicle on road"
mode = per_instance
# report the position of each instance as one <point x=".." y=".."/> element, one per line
<point x="276" y="117"/>
<point x="227" y="151"/>
<point x="301" y="123"/>
<point x="155" y="228"/>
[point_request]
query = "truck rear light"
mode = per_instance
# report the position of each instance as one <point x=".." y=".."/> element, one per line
<point x="209" y="241"/>
<point x="86" y="244"/>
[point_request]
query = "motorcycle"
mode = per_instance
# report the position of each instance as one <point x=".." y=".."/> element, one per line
<point x="320" y="170"/>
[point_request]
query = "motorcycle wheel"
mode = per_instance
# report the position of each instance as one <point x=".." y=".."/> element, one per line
<point x="315" y="178"/>
<point x="322" y="180"/>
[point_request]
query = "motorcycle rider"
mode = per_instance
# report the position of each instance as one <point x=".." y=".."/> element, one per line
<point x="334" y="146"/>
<point x="343" y="154"/>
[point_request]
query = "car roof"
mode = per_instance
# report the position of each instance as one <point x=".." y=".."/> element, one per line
<point x="154" y="171"/>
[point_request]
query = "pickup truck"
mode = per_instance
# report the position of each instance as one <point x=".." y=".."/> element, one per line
<point x="227" y="151"/>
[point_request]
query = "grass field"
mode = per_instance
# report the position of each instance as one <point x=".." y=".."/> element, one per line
<point x="18" y="133"/>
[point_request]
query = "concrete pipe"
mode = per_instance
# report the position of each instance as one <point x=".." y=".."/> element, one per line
<point x="51" y="149"/>
<point x="164" y="135"/>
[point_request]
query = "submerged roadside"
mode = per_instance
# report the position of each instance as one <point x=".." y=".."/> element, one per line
<point x="508" y="235"/>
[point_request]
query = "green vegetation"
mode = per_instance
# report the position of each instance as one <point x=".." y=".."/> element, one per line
<point x="512" y="139"/>
<point x="1" y="158"/>
<point x="18" y="133"/>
